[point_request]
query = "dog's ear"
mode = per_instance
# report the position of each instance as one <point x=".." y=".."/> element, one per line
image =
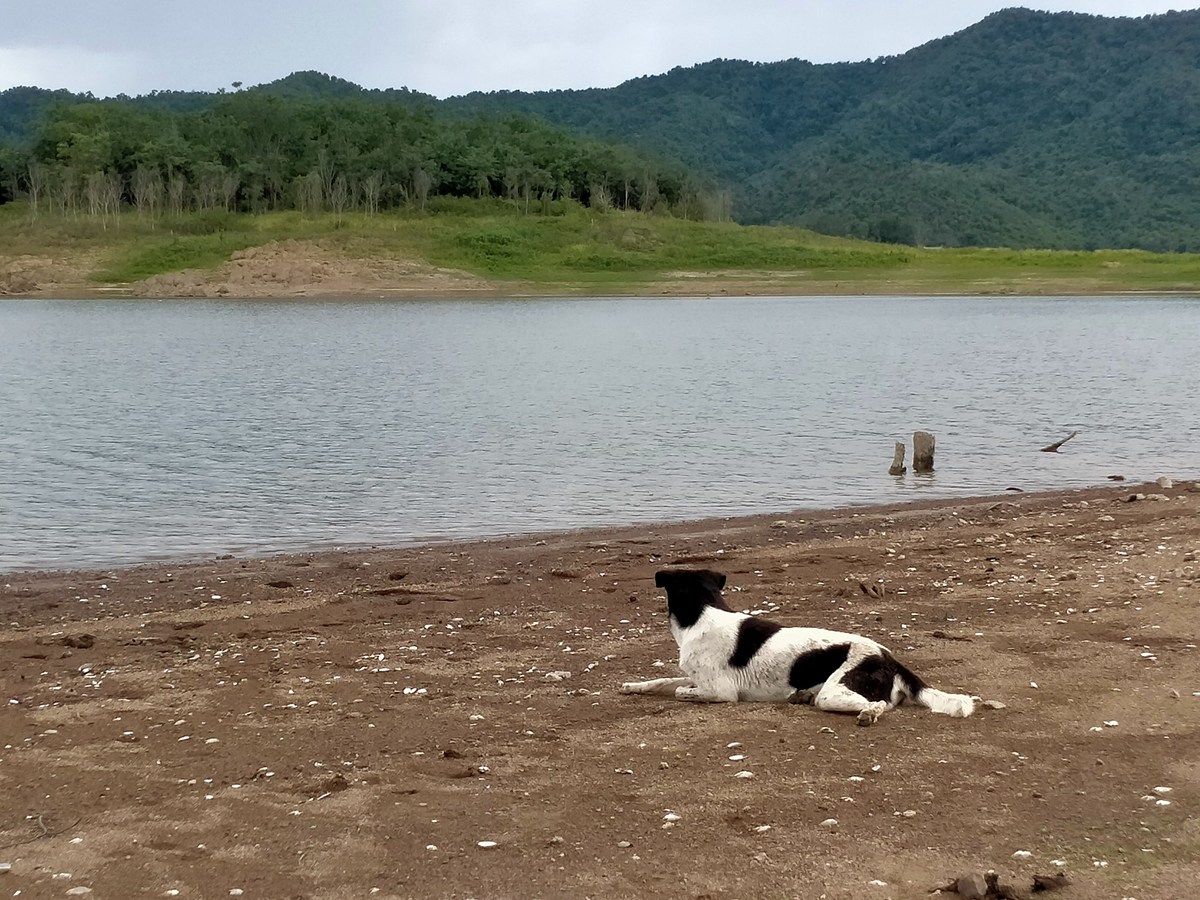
<point x="714" y="578"/>
<point x="720" y="580"/>
<point x="662" y="578"/>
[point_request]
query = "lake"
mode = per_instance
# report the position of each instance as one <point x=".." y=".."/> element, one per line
<point x="139" y="430"/>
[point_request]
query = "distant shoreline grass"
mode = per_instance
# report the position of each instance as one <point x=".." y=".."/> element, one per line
<point x="573" y="250"/>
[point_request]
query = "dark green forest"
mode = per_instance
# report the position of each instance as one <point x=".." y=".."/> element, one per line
<point x="1028" y="129"/>
<point x="268" y="150"/>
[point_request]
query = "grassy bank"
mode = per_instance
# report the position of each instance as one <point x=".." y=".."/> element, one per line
<point x="575" y="250"/>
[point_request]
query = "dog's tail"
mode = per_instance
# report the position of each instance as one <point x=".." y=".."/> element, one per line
<point x="958" y="705"/>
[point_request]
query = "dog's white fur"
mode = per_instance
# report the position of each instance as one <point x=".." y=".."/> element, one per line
<point x="707" y="648"/>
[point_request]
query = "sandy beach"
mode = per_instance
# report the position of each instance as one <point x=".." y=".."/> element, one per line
<point x="444" y="721"/>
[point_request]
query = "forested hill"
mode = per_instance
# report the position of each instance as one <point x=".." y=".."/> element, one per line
<point x="1026" y="129"/>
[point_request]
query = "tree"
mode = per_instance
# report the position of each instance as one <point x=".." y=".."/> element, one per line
<point x="35" y="182"/>
<point x="147" y="189"/>
<point x="422" y="184"/>
<point x="371" y="188"/>
<point x="339" y="196"/>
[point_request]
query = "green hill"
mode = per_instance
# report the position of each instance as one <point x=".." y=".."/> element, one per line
<point x="1028" y="129"/>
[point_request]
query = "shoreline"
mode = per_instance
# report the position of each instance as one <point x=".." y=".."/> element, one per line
<point x="682" y="291"/>
<point x="815" y="517"/>
<point x="433" y="541"/>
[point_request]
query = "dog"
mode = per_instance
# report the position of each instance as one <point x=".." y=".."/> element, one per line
<point x="729" y="656"/>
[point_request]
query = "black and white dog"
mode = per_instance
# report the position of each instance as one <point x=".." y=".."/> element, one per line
<point x="729" y="656"/>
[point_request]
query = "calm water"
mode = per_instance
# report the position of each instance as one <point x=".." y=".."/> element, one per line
<point x="132" y="430"/>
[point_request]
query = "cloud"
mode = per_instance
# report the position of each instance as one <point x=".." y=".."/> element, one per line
<point x="448" y="47"/>
<point x="76" y="69"/>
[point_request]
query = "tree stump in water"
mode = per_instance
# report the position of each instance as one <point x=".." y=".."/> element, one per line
<point x="898" y="467"/>
<point x="922" y="451"/>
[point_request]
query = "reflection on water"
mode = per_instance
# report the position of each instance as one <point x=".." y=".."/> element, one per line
<point x="134" y="430"/>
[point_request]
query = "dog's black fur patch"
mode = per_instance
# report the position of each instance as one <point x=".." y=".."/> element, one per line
<point x="815" y="666"/>
<point x="752" y="634"/>
<point x="689" y="591"/>
<point x="875" y="677"/>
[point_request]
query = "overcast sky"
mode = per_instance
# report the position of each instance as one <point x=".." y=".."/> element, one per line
<point x="447" y="47"/>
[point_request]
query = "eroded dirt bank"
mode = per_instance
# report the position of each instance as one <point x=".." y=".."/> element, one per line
<point x="360" y="724"/>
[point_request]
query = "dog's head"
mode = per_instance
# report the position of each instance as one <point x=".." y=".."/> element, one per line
<point x="689" y="591"/>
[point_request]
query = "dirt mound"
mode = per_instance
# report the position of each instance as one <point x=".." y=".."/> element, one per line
<point x="308" y="268"/>
<point x="23" y="276"/>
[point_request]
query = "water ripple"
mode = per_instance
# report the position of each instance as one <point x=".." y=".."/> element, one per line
<point x="136" y="430"/>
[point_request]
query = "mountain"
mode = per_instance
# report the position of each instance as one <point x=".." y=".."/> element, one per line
<point x="1027" y="129"/>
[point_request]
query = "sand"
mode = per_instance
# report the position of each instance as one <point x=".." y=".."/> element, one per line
<point x="444" y="721"/>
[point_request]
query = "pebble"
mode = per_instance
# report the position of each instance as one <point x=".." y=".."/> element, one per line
<point x="971" y="887"/>
<point x="79" y="891"/>
<point x="829" y="823"/>
<point x="744" y="774"/>
<point x="1022" y="854"/>
<point x="487" y="845"/>
<point x="624" y="844"/>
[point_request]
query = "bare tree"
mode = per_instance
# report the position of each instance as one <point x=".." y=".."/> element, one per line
<point x="36" y="180"/>
<point x="65" y="187"/>
<point x="325" y="169"/>
<point x="512" y="182"/>
<point x="177" y="191"/>
<point x="650" y="195"/>
<point x="422" y="184"/>
<point x="113" y="190"/>
<point x="372" y="186"/>
<point x="601" y="196"/>
<point x="93" y="191"/>
<point x="229" y="189"/>
<point x="210" y="185"/>
<point x="339" y="196"/>
<point x="147" y="188"/>
<point x="310" y="193"/>
<point x="483" y="185"/>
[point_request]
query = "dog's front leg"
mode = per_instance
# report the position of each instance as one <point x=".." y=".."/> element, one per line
<point x="666" y="687"/>
<point x="707" y="693"/>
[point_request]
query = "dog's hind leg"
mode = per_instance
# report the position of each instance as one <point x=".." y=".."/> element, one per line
<point x="836" y="697"/>
<point x="663" y="686"/>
